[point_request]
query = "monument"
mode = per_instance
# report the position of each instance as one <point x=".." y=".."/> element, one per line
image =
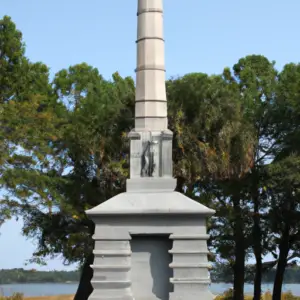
<point x="150" y="242"/>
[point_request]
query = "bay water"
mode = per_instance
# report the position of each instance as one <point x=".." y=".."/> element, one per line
<point x="51" y="289"/>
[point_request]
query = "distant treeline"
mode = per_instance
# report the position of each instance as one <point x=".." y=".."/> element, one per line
<point x="223" y="273"/>
<point x="219" y="273"/>
<point x="34" y="276"/>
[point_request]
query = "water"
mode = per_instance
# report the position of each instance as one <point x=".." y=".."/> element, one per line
<point x="50" y="289"/>
<point x="39" y="289"/>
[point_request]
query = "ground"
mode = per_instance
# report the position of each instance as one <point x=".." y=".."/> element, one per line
<point x="62" y="297"/>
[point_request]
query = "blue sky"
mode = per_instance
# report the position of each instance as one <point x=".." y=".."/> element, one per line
<point x="201" y="36"/>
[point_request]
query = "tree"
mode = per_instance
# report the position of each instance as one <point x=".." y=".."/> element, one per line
<point x="212" y="153"/>
<point x="284" y="197"/>
<point x="24" y="92"/>
<point x="98" y="152"/>
<point x="256" y="78"/>
<point x="283" y="173"/>
<point x="86" y="165"/>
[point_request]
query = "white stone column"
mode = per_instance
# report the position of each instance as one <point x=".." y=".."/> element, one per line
<point x="151" y="101"/>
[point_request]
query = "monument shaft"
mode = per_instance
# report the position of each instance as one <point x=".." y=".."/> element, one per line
<point x="151" y="141"/>
<point x="150" y="100"/>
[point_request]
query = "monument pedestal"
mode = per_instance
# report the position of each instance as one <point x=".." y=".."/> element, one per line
<point x="150" y="245"/>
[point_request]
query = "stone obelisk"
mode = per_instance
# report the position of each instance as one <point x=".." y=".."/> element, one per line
<point x="151" y="141"/>
<point x="150" y="242"/>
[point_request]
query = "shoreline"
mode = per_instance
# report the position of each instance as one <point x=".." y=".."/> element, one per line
<point x="44" y="291"/>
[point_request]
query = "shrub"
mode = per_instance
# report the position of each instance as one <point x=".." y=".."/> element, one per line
<point x="267" y="296"/>
<point x="289" y="296"/>
<point x="228" y="295"/>
<point x="15" y="296"/>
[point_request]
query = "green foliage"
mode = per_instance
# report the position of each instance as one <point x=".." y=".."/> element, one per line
<point x="287" y="111"/>
<point x="12" y="51"/>
<point x="26" y="118"/>
<point x="205" y="117"/>
<point x="76" y="160"/>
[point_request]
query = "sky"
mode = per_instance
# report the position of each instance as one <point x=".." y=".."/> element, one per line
<point x="201" y="36"/>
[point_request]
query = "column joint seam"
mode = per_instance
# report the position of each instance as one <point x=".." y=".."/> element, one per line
<point x="149" y="10"/>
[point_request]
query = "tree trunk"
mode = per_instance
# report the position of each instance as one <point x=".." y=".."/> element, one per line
<point x="282" y="263"/>
<point x="85" y="287"/>
<point x="257" y="249"/>
<point x="258" y="276"/>
<point x="180" y="184"/>
<point x="239" y="265"/>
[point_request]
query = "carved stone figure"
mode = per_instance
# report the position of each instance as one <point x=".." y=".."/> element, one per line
<point x="147" y="161"/>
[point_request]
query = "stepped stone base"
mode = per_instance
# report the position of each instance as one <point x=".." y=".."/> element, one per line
<point x="129" y="261"/>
